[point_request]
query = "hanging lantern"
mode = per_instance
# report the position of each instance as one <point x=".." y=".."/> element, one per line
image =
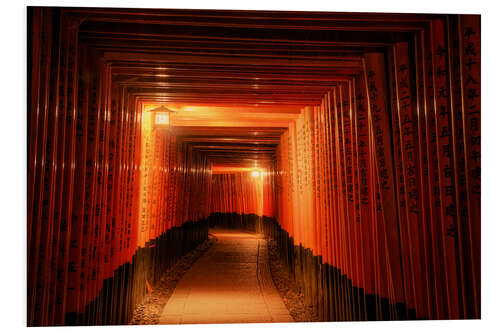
<point x="162" y="117"/>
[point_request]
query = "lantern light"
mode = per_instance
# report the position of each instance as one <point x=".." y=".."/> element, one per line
<point x="162" y="116"/>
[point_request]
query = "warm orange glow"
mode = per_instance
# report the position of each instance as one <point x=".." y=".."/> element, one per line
<point x="237" y="116"/>
<point x="226" y="169"/>
<point x="216" y="169"/>
<point x="226" y="116"/>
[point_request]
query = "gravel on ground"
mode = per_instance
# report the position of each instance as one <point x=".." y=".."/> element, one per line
<point x="149" y="310"/>
<point x="288" y="289"/>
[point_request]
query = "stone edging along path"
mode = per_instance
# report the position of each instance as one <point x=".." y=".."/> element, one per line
<point x="280" y="298"/>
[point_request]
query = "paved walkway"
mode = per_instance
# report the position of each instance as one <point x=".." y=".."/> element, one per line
<point x="230" y="283"/>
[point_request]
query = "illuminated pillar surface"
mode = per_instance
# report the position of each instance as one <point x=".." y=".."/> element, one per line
<point x="354" y="144"/>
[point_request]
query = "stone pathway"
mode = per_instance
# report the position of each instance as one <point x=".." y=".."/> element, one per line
<point x="230" y="283"/>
